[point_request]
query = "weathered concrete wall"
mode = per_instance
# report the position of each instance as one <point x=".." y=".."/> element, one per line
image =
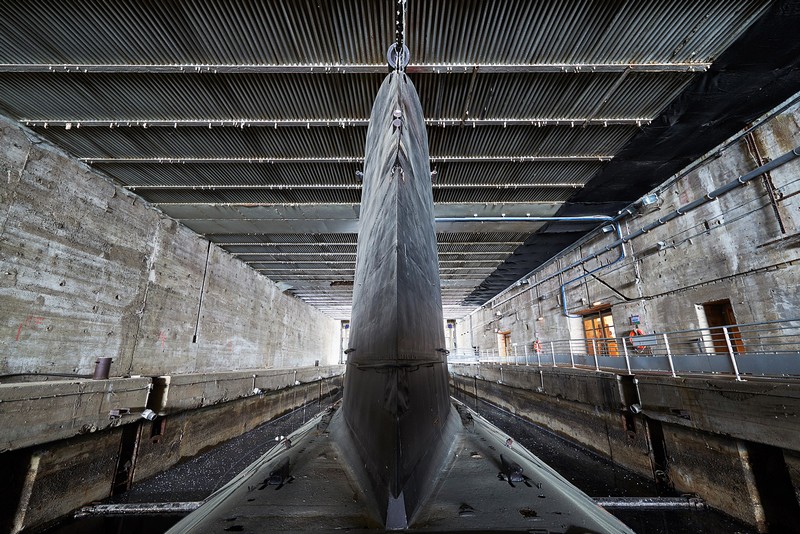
<point x="35" y="413"/>
<point x="43" y="484"/>
<point x="88" y="270"/>
<point x="691" y="435"/>
<point x="32" y="413"/>
<point x="732" y="248"/>
<point x="189" y="433"/>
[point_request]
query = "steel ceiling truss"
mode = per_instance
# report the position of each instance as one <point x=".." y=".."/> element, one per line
<point x="248" y="125"/>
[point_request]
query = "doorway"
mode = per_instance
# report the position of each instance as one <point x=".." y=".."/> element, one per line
<point x="598" y="328"/>
<point x="504" y="343"/>
<point x="719" y="313"/>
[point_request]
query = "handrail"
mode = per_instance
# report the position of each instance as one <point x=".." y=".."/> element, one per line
<point x="769" y="348"/>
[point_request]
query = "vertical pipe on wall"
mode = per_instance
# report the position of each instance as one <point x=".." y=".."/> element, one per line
<point x="669" y="357"/>
<point x="625" y="352"/>
<point x="731" y="353"/>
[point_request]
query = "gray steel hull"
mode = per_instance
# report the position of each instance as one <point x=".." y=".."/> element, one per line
<point x="396" y="399"/>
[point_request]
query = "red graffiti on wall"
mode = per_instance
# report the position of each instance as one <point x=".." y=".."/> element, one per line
<point x="30" y="322"/>
<point x="162" y="337"/>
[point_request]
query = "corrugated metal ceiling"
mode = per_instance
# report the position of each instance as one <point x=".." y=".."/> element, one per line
<point x="246" y="120"/>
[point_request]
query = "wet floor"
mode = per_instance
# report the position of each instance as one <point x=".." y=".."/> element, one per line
<point x="197" y="478"/>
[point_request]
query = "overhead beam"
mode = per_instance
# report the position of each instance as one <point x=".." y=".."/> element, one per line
<point x="340" y="254"/>
<point x="352" y="262"/>
<point x="350" y="270"/>
<point x="340" y="122"/>
<point x="350" y="159"/>
<point x="223" y="187"/>
<point x="351" y="68"/>
<point x="336" y="244"/>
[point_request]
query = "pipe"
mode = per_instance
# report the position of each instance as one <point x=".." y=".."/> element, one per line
<point x="579" y="218"/>
<point x="584" y="275"/>
<point x="145" y="508"/>
<point x="560" y="271"/>
<point x="651" y="503"/>
<point x="785" y="158"/>
<point x="102" y="368"/>
<point x="713" y="195"/>
<point x="708" y="197"/>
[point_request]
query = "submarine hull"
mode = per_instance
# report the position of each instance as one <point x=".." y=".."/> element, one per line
<point x="396" y="400"/>
<point x="398" y="454"/>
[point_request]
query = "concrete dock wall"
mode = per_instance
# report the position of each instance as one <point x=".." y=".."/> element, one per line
<point x="742" y="247"/>
<point x="731" y="443"/>
<point x="89" y="270"/>
<point x="45" y="482"/>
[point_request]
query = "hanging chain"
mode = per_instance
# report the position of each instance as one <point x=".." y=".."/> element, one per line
<point x="400" y="50"/>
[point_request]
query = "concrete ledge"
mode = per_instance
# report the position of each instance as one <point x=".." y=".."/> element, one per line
<point x="690" y="434"/>
<point x="40" y="482"/>
<point x="176" y="393"/>
<point x="587" y="387"/>
<point x="32" y="413"/>
<point x="38" y="412"/>
<point x="762" y="411"/>
<point x="765" y="412"/>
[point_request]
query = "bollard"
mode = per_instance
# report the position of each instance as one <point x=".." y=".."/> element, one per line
<point x="101" y="368"/>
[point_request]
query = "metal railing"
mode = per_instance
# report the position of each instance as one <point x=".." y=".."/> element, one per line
<point x="756" y="349"/>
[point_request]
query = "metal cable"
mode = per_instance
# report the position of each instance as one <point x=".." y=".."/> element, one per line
<point x="400" y="28"/>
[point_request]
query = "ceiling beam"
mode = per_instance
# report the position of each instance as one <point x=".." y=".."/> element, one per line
<point x="214" y="187"/>
<point x="337" y="244"/>
<point x="352" y="68"/>
<point x="340" y="254"/>
<point x="352" y="262"/>
<point x="352" y="159"/>
<point x="340" y="122"/>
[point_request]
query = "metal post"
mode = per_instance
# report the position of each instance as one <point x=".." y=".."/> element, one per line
<point x="730" y="353"/>
<point x="571" y="354"/>
<point x="516" y="361"/>
<point x="525" y="346"/>
<point x="594" y="353"/>
<point x="669" y="357"/>
<point x="553" y="353"/>
<point x="627" y="358"/>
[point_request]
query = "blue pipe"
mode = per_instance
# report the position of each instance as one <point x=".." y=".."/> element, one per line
<point x="578" y="218"/>
<point x="584" y="275"/>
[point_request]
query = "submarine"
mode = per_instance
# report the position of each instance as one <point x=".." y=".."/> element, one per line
<point x="397" y="453"/>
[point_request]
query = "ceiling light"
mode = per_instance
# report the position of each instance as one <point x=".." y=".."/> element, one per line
<point x="647" y="200"/>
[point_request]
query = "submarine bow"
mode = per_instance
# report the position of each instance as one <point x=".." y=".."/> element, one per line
<point x="396" y="400"/>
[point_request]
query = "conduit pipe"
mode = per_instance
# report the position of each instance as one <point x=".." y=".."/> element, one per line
<point x="713" y="195"/>
<point x="708" y="197"/>
<point x="578" y="218"/>
<point x="574" y="264"/>
<point x="584" y="275"/>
